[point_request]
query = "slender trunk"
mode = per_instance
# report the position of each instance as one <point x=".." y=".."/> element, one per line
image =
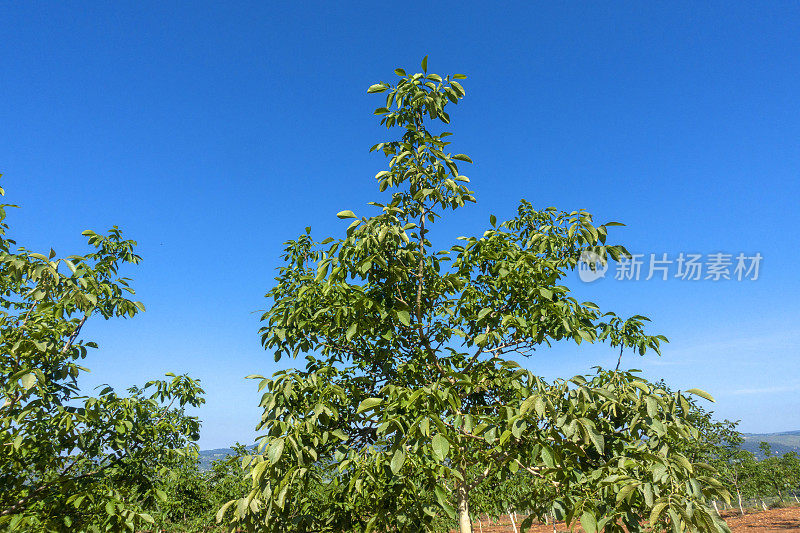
<point x="714" y="502"/>
<point x="480" y="525"/>
<point x="763" y="505"/>
<point x="513" y="523"/>
<point x="554" y="523"/>
<point x="462" y="499"/>
<point x="795" y="497"/>
<point x="739" y="495"/>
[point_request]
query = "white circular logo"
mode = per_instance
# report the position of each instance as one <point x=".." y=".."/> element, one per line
<point x="591" y="267"/>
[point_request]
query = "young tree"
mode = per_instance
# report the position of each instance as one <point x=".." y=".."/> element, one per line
<point x="735" y="467"/>
<point x="791" y="467"/>
<point x="410" y="388"/>
<point x="777" y="473"/>
<point x="70" y="462"/>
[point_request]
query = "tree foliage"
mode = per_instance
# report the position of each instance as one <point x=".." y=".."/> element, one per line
<point x="412" y="399"/>
<point x="69" y="461"/>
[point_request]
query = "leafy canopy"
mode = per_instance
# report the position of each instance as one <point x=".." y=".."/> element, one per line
<point x="412" y="400"/>
<point x="68" y="461"/>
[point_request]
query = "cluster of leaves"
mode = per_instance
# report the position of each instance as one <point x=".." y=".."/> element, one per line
<point x="412" y="400"/>
<point x="191" y="496"/>
<point x="67" y="461"/>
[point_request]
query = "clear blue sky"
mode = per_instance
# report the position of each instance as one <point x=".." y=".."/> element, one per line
<point x="213" y="132"/>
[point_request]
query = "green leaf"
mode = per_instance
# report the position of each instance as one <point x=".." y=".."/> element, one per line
<point x="281" y="499"/>
<point x="441" y="447"/>
<point x="589" y="522"/>
<point x="351" y="331"/>
<point x="400" y="72"/>
<point x="656" y="512"/>
<point x="441" y="498"/>
<point x="702" y="394"/>
<point x="684" y="462"/>
<point x="340" y="434"/>
<point x="346" y="214"/>
<point x="527" y="404"/>
<point x="275" y="450"/>
<point x="626" y="491"/>
<point x="377" y="88"/>
<point x="462" y="157"/>
<point x="222" y="510"/>
<point x="398" y="460"/>
<point x="28" y="380"/>
<point x="517" y="428"/>
<point x="370" y="527"/>
<point x="404" y="317"/>
<point x="369" y="403"/>
<point x="425" y="64"/>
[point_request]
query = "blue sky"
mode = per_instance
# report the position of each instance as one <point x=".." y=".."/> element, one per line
<point x="213" y="132"/>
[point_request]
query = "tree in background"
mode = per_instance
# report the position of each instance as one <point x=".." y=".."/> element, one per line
<point x="409" y="387"/>
<point x="777" y="474"/>
<point x="226" y="477"/>
<point x="791" y="465"/>
<point x="70" y="462"/>
<point x="736" y="468"/>
<point x="191" y="495"/>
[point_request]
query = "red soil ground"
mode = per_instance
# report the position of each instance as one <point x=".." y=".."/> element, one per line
<point x="772" y="521"/>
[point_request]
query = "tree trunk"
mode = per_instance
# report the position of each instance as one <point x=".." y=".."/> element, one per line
<point x="763" y="505"/>
<point x="739" y="495"/>
<point x="513" y="524"/>
<point x="554" y="522"/>
<point x="795" y="497"/>
<point x="480" y="525"/>
<point x="714" y="502"/>
<point x="462" y="500"/>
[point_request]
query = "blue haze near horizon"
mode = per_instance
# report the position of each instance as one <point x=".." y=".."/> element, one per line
<point x="213" y="132"/>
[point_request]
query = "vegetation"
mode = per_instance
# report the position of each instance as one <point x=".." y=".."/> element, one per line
<point x="68" y="461"/>
<point x="412" y="411"/>
<point x="411" y="406"/>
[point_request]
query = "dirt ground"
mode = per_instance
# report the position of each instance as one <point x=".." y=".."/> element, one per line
<point x="772" y="521"/>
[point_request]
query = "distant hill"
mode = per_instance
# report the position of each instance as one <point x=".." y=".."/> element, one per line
<point x="781" y="443"/>
<point x="209" y="456"/>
